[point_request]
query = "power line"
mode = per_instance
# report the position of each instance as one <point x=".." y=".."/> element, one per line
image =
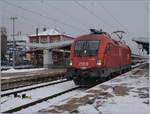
<point x="109" y="13"/>
<point x="92" y="13"/>
<point x="47" y="17"/>
<point x="106" y="10"/>
<point x="23" y="17"/>
<point x="67" y="14"/>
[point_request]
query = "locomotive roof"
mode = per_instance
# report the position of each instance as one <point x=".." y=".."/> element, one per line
<point x="100" y="36"/>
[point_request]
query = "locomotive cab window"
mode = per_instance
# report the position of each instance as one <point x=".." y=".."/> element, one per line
<point x="86" y="48"/>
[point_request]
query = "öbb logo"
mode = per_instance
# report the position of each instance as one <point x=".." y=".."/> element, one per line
<point x="83" y="64"/>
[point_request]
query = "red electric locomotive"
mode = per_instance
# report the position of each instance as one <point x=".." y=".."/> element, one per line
<point x="97" y="56"/>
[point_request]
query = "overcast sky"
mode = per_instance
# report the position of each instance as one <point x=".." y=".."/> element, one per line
<point x="76" y="18"/>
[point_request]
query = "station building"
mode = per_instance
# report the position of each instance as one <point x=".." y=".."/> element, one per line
<point x="57" y="57"/>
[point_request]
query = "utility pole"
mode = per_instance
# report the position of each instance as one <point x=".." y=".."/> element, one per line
<point x="14" y="43"/>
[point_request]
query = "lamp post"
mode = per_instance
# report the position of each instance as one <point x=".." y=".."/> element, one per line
<point x="14" y="44"/>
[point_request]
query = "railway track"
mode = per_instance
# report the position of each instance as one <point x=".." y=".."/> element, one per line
<point x="31" y="96"/>
<point x="62" y="97"/>
<point x="137" y="65"/>
<point x="31" y="88"/>
<point x="43" y="85"/>
<point x="39" y="101"/>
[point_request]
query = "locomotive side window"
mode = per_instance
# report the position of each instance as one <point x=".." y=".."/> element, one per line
<point x="108" y="47"/>
<point x="86" y="48"/>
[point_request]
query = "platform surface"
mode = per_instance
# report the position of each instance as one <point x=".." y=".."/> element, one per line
<point x="28" y="72"/>
<point x="20" y="78"/>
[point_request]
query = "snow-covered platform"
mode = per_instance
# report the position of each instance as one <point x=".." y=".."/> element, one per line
<point x="13" y="73"/>
<point x="127" y="93"/>
<point x="15" y="78"/>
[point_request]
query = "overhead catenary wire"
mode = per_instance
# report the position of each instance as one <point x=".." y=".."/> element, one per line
<point x="109" y="13"/>
<point x="25" y="18"/>
<point x="61" y="11"/>
<point x="44" y="16"/>
<point x="92" y="13"/>
<point x="114" y="17"/>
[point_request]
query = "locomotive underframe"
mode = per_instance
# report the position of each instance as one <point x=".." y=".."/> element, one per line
<point x="93" y="76"/>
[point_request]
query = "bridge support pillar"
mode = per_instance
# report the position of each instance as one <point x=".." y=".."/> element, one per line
<point x="47" y="58"/>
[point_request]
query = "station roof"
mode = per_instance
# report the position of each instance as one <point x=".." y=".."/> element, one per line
<point x="143" y="41"/>
<point x="19" y="38"/>
<point x="49" y="33"/>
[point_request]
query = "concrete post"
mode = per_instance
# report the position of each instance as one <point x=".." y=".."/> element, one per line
<point x="47" y="58"/>
<point x="39" y="39"/>
<point x="48" y="39"/>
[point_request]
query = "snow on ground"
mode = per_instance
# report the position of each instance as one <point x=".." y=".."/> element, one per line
<point x="31" y="86"/>
<point x="54" y="101"/>
<point x="128" y="93"/>
<point x="9" y="102"/>
<point x="22" y="70"/>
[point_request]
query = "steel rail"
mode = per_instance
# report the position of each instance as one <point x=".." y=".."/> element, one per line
<point x="39" y="101"/>
<point x="27" y="89"/>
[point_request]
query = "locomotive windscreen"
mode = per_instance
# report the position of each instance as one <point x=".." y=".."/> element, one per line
<point x="86" y="48"/>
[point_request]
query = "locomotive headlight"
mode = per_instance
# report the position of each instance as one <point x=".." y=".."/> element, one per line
<point x="70" y="63"/>
<point x="99" y="63"/>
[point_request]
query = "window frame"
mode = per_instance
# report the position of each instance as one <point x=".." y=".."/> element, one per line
<point x="108" y="48"/>
<point x="86" y="47"/>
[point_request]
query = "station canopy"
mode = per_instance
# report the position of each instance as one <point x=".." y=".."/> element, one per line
<point x="144" y="42"/>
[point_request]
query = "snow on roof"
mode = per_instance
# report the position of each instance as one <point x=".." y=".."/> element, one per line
<point x="19" y="38"/>
<point x="141" y="39"/>
<point x="11" y="70"/>
<point x="48" y="32"/>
